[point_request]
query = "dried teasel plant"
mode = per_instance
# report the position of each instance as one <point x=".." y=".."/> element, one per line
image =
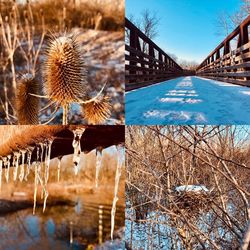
<point x="65" y="77"/>
<point x="98" y="111"/>
<point x="27" y="106"/>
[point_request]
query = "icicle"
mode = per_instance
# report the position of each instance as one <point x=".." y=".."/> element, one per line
<point x="1" y="171"/>
<point x="98" y="164"/>
<point x="8" y="168"/>
<point x="21" y="175"/>
<point x="36" y="179"/>
<point x="71" y="239"/>
<point x="29" y="154"/>
<point x="77" y="148"/>
<point x="59" y="168"/>
<point x="35" y="187"/>
<point x="5" y="163"/>
<point x="45" y="193"/>
<point x="43" y="145"/>
<point x="120" y="158"/>
<point x="47" y="160"/>
<point x="16" y="163"/>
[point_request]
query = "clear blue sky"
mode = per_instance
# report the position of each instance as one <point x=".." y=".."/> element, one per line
<point x="187" y="28"/>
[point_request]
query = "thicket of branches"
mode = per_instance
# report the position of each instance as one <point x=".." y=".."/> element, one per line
<point x="159" y="159"/>
<point x="226" y="22"/>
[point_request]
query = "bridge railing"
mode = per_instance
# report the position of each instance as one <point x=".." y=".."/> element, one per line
<point x="230" y="61"/>
<point x="145" y="62"/>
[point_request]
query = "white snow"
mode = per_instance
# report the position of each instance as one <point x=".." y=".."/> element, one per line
<point x="191" y="188"/>
<point x="189" y="100"/>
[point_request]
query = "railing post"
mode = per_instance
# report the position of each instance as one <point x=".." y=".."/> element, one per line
<point x="133" y="44"/>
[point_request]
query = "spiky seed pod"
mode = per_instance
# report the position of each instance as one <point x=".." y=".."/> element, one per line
<point x="64" y="71"/>
<point x="97" y="111"/>
<point x="27" y="106"/>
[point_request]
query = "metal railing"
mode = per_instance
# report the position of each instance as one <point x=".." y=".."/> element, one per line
<point x="145" y="62"/>
<point x="230" y="61"/>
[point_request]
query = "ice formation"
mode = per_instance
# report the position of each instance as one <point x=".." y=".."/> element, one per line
<point x="16" y="164"/>
<point x="98" y="164"/>
<point x="120" y="159"/>
<point x="77" y="148"/>
<point x="5" y="163"/>
<point x="21" y="175"/>
<point x="35" y="186"/>
<point x="59" y="168"/>
<point x="29" y="154"/>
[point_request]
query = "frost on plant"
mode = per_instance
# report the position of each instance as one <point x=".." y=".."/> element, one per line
<point x="77" y="148"/>
<point x="120" y="159"/>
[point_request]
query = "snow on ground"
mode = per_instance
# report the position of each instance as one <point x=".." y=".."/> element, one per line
<point x="189" y="100"/>
<point x="191" y="188"/>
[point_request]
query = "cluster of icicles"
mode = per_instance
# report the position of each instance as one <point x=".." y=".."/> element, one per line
<point x="21" y="161"/>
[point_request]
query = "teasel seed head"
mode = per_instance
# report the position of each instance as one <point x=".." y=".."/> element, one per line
<point x="64" y="71"/>
<point x="27" y="106"/>
<point x="97" y="111"/>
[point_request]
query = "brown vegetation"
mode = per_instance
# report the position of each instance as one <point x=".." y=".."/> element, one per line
<point x="160" y="159"/>
<point x="23" y="35"/>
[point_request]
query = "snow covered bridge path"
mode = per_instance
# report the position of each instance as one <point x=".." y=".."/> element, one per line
<point x="189" y="100"/>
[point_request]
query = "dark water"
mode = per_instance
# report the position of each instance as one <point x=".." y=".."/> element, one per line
<point x="61" y="227"/>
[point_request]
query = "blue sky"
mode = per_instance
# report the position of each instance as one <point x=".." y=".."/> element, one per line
<point x="187" y="28"/>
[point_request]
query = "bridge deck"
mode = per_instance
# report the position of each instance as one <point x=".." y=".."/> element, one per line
<point x="189" y="100"/>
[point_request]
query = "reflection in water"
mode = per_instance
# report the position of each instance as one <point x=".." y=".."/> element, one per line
<point x="82" y="226"/>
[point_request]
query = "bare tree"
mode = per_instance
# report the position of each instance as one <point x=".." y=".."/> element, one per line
<point x="148" y="23"/>
<point x="226" y="23"/>
<point x="189" y="65"/>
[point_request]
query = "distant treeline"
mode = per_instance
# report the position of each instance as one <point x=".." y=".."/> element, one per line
<point x="60" y="14"/>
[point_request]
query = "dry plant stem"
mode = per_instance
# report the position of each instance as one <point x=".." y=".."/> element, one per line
<point x="94" y="98"/>
<point x="242" y="193"/>
<point x="246" y="238"/>
<point x="221" y="195"/>
<point x="205" y="161"/>
<point x="53" y="116"/>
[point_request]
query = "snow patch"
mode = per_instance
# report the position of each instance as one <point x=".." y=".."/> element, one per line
<point x="245" y="92"/>
<point x="191" y="188"/>
<point x="181" y="100"/>
<point x="171" y="99"/>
